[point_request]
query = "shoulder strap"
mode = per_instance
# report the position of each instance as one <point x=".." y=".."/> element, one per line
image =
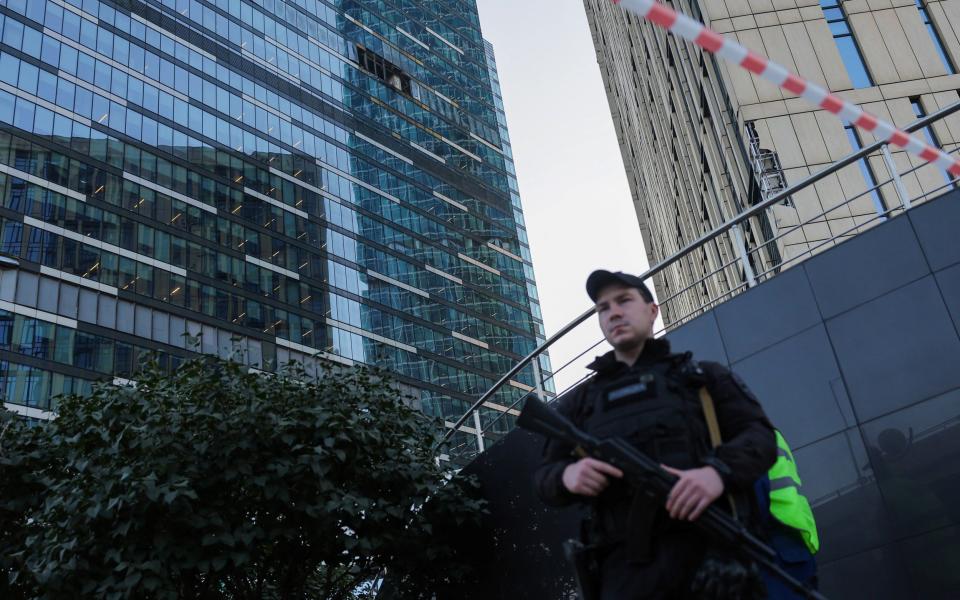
<point x="713" y="426"/>
<point x="710" y="415"/>
<point x="696" y="376"/>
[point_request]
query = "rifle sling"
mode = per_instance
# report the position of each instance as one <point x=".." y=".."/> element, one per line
<point x="710" y="414"/>
<point x="713" y="427"/>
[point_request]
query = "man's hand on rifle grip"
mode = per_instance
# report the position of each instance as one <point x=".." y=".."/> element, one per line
<point x="589" y="476"/>
<point x="693" y="492"/>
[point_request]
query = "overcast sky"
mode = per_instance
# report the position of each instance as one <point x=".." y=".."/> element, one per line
<point x="576" y="201"/>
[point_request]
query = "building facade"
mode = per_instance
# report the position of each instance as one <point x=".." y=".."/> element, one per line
<point x="702" y="140"/>
<point x="271" y="180"/>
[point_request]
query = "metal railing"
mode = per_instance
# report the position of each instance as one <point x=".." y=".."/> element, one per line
<point x="743" y="256"/>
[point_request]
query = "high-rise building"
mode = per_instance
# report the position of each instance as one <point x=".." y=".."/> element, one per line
<point x="702" y="140"/>
<point x="267" y="179"/>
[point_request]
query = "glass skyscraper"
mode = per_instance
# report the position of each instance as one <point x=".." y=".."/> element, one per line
<point x="263" y="179"/>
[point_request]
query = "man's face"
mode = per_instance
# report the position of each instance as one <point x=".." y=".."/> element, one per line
<point x="626" y="319"/>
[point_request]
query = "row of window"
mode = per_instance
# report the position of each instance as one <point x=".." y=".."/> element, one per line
<point x="80" y="303"/>
<point x="850" y="51"/>
<point x="69" y="256"/>
<point x="392" y="327"/>
<point x="452" y="404"/>
<point x="37" y="388"/>
<point x="99" y="39"/>
<point x="54" y="342"/>
<point x="59" y="169"/>
<point x="458" y="25"/>
<point x="89" y="221"/>
<point x="415" y="10"/>
<point x="96" y="224"/>
<point x="446" y="261"/>
<point x="65" y="254"/>
<point x="443" y="59"/>
<point x="412" y="275"/>
<point x="188" y="218"/>
<point x="361" y="285"/>
<point x="467" y="89"/>
<point x="91" y="263"/>
<point x="417" y="367"/>
<point x="158" y="101"/>
<point x="23" y="117"/>
<point x="264" y="41"/>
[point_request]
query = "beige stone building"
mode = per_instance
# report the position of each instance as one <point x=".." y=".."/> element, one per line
<point x="702" y="140"/>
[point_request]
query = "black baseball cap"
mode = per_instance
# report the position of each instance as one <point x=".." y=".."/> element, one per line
<point x="600" y="279"/>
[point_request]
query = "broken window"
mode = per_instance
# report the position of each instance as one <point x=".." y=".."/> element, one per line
<point x="384" y="70"/>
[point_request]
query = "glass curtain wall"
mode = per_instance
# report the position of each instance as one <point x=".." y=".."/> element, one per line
<point x="264" y="179"/>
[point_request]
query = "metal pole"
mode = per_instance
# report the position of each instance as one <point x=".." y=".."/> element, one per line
<point x="895" y="175"/>
<point x="744" y="257"/>
<point x="476" y="422"/>
<point x="538" y="379"/>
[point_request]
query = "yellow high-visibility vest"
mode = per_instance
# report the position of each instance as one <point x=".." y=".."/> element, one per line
<point x="787" y="504"/>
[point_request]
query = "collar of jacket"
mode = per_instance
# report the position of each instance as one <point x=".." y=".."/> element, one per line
<point x="654" y="349"/>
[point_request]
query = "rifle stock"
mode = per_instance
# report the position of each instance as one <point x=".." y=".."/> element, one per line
<point x="647" y="474"/>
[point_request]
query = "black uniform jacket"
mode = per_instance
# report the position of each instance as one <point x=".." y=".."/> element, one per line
<point x="749" y="447"/>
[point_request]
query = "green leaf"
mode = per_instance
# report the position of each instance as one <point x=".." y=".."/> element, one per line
<point x="212" y="475"/>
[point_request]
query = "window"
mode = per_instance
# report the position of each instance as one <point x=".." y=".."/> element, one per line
<point x="383" y="69"/>
<point x="865" y="169"/>
<point x="11" y="240"/>
<point x="928" y="134"/>
<point x="846" y="44"/>
<point x="935" y="36"/>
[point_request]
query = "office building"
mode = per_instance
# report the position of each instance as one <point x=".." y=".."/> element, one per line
<point x="263" y="179"/>
<point x="702" y="140"/>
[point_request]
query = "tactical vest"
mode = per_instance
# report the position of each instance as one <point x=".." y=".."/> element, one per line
<point x="787" y="504"/>
<point x="658" y="411"/>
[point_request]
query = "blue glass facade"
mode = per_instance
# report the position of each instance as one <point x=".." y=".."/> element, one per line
<point x="261" y="178"/>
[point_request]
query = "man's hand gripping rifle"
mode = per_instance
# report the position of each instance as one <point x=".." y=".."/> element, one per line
<point x="647" y="475"/>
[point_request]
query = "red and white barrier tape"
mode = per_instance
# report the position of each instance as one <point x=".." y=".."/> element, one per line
<point x="729" y="50"/>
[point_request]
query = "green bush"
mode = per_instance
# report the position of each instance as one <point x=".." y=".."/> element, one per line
<point x="215" y="482"/>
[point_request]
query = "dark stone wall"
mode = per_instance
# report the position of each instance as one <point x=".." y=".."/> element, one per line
<point x="855" y="355"/>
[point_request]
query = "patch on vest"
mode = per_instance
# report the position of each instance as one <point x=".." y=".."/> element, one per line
<point x="635" y="390"/>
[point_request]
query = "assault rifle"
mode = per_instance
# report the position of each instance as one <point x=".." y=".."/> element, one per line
<point x="648" y="475"/>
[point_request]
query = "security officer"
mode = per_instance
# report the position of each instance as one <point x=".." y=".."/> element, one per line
<point x="788" y="523"/>
<point x="649" y="396"/>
